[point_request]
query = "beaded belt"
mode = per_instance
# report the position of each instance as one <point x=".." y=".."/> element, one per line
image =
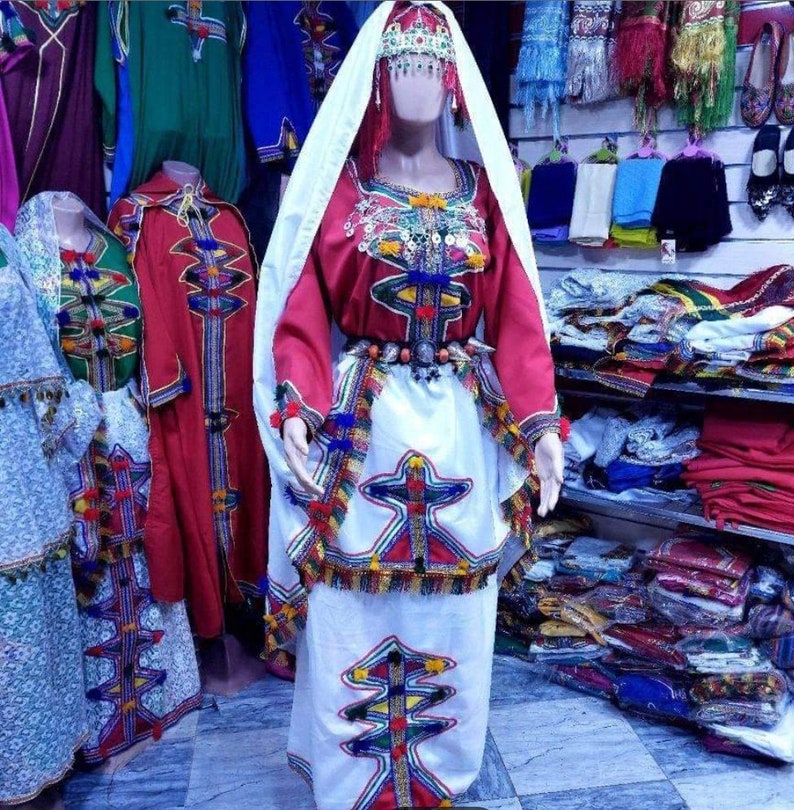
<point x="424" y="356"/>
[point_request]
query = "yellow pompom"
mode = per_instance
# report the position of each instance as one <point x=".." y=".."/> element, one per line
<point x="434" y="666"/>
<point x="360" y="674"/>
<point x="416" y="462"/>
<point x="374" y="563"/>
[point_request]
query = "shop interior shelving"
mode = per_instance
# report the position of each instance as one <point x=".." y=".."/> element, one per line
<point x="583" y="383"/>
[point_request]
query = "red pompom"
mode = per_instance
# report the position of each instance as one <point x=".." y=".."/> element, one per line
<point x="157" y="730"/>
<point x="565" y="428"/>
<point x="69" y="255"/>
<point x="89" y="258"/>
<point x="292" y="409"/>
<point x="157" y="636"/>
<point x="398" y="724"/>
<point x="275" y="420"/>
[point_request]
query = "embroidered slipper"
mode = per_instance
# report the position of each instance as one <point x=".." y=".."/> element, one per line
<point x="784" y="90"/>
<point x="764" y="183"/>
<point x="786" y="194"/>
<point x="758" y="92"/>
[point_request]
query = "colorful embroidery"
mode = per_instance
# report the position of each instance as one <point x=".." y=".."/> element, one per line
<point x="53" y="12"/>
<point x="99" y="318"/>
<point x="321" y="57"/>
<point x="345" y="439"/>
<point x="401" y="695"/>
<point x="286" y="614"/>
<point x="431" y="239"/>
<point x="211" y="280"/>
<point x="287" y="146"/>
<point x="199" y="28"/>
<point x="415" y="492"/>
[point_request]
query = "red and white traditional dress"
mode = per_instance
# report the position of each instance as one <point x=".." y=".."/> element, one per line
<point x="400" y="551"/>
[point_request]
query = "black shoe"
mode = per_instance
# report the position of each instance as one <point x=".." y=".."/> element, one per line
<point x="764" y="183"/>
<point x="786" y="193"/>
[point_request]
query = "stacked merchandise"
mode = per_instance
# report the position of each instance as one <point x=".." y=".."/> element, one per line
<point x="688" y="631"/>
<point x="551" y="192"/>
<point x="630" y="331"/>
<point x="636" y="454"/>
<point x="636" y="190"/>
<point x="745" y="471"/>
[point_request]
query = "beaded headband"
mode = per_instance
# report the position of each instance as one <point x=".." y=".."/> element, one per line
<point x="426" y="35"/>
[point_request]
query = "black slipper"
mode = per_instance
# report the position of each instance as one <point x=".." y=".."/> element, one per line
<point x="764" y="183"/>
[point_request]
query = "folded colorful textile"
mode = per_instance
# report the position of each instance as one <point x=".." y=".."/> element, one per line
<point x="781" y="651"/>
<point x="770" y="685"/>
<point x="684" y="609"/>
<point x="639" y="238"/>
<point x="777" y="742"/>
<point x="731" y="592"/>
<point x="653" y="695"/>
<point x="636" y="188"/>
<point x="656" y="643"/>
<point x="593" y="554"/>
<point x="550" y="203"/>
<point x="770" y="621"/>
<point x="591" y="679"/>
<point x="689" y="552"/>
<point x="751" y="714"/>
<point x="722" y="653"/>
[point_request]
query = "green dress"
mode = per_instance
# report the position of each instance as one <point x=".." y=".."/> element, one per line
<point x="169" y="78"/>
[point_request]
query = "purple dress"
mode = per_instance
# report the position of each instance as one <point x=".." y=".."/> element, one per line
<point x="53" y="112"/>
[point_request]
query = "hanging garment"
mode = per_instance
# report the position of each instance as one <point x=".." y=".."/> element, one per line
<point x="592" y="73"/>
<point x="46" y="423"/>
<point x="592" y="204"/>
<point x="541" y="69"/>
<point x="703" y="61"/>
<point x="173" y="72"/>
<point x="205" y="531"/>
<point x="14" y="46"/>
<point x="52" y="109"/>
<point x="292" y="54"/>
<point x="141" y="674"/>
<point x="636" y="188"/>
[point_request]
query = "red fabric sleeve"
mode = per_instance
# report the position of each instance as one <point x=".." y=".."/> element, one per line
<point x="513" y="325"/>
<point x="302" y="349"/>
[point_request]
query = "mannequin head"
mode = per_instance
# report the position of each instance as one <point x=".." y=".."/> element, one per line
<point x="70" y="224"/>
<point x="414" y="77"/>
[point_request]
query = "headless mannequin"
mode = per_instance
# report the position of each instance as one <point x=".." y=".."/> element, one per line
<point x="183" y="174"/>
<point x="411" y="158"/>
<point x="70" y="225"/>
<point x="226" y="667"/>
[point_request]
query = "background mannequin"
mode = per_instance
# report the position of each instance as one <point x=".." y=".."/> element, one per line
<point x="411" y="158"/>
<point x="182" y="173"/>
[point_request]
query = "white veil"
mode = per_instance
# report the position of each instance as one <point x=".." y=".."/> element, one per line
<point x="317" y="171"/>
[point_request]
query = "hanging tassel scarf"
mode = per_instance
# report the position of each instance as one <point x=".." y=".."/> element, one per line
<point x="591" y="51"/>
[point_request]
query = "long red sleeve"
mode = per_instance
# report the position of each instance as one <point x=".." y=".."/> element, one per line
<point x="513" y="325"/>
<point x="302" y="349"/>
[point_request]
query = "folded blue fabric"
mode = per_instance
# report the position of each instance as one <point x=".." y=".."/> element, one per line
<point x="550" y="203"/>
<point x="636" y="187"/>
<point x="622" y="475"/>
<point x="653" y="695"/>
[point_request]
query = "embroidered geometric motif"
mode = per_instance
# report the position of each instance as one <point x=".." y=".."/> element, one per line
<point x="211" y="279"/>
<point x="320" y="56"/>
<point x="199" y="28"/>
<point x="415" y="492"/>
<point x="401" y="697"/>
<point x="432" y="239"/>
<point x="125" y="491"/>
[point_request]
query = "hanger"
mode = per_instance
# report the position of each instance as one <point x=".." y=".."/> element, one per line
<point x="558" y="154"/>
<point x="647" y="150"/>
<point x="694" y="148"/>
<point x="608" y="153"/>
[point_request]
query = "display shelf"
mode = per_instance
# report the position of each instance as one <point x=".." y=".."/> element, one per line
<point x="591" y="501"/>
<point x="771" y="394"/>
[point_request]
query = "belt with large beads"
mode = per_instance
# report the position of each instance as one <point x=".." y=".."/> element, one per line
<point x="423" y="356"/>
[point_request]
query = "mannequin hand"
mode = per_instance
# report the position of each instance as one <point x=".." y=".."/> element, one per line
<point x="549" y="464"/>
<point x="296" y="452"/>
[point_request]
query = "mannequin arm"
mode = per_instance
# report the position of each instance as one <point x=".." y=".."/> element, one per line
<point x="549" y="464"/>
<point x="296" y="452"/>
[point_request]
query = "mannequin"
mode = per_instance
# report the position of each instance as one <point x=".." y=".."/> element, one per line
<point x="89" y="301"/>
<point x="183" y="174"/>
<point x="206" y="527"/>
<point x="411" y="158"/>
<point x="70" y="223"/>
<point x="403" y="461"/>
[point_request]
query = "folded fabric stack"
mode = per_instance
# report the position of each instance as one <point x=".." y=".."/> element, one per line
<point x="688" y="631"/>
<point x="636" y="189"/>
<point x="635" y="454"/>
<point x="592" y="204"/>
<point x="550" y="203"/>
<point x="745" y="472"/>
<point x="676" y="328"/>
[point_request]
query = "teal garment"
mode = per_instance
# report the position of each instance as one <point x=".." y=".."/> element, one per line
<point x="177" y="66"/>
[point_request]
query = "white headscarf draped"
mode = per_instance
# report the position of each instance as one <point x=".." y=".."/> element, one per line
<point x="317" y="171"/>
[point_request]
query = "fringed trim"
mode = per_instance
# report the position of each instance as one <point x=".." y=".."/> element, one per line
<point x="588" y="72"/>
<point x="389" y="581"/>
<point x="58" y="549"/>
<point x="41" y="388"/>
<point x="284" y="624"/>
<point x="627" y="385"/>
<point x="346" y="433"/>
<point x="517" y="511"/>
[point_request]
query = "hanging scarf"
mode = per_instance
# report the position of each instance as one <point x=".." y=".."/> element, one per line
<point x="591" y="51"/>
<point x="541" y="70"/>
<point x="643" y="48"/>
<point x="703" y="61"/>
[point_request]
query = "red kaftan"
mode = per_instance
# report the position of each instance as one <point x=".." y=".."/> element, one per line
<point x="205" y="530"/>
<point x="371" y="271"/>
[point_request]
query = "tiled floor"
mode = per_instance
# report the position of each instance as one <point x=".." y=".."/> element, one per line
<point x="549" y="749"/>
